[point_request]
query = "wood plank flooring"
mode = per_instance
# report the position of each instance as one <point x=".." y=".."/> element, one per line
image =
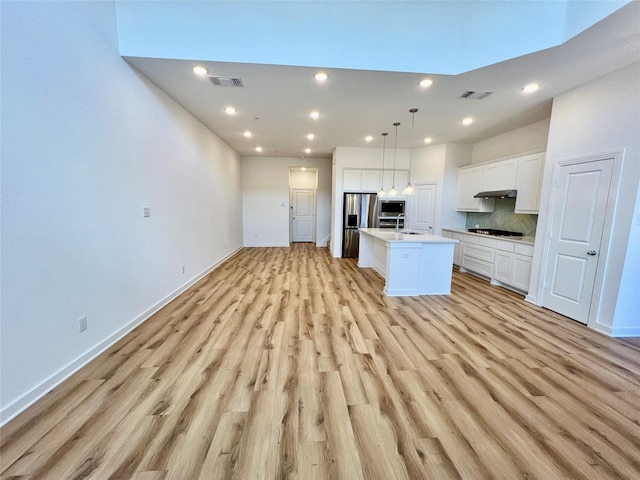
<point x="288" y="363"/>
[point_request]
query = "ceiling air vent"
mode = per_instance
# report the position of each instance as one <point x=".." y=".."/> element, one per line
<point x="471" y="95"/>
<point x="226" y="81"/>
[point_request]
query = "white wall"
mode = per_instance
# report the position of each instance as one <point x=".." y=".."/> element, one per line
<point x="87" y="142"/>
<point x="439" y="164"/>
<point x="265" y="186"/>
<point x="527" y="139"/>
<point x="598" y="117"/>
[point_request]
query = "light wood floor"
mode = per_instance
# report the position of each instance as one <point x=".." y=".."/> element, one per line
<point x="287" y="363"/>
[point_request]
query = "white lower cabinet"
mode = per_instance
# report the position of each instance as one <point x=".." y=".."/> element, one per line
<point x="504" y="262"/>
<point x="477" y="255"/>
<point x="512" y="265"/>
<point x="457" y="248"/>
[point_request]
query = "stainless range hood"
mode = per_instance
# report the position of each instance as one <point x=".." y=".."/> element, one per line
<point x="497" y="194"/>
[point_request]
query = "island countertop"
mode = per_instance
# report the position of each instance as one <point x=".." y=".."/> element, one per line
<point x="415" y="236"/>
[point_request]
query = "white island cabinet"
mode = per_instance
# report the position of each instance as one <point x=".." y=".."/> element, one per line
<point x="416" y="263"/>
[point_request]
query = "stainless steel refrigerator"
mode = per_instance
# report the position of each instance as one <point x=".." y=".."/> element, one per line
<point x="360" y="211"/>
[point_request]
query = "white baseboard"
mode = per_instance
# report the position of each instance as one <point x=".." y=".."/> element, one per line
<point x="25" y="401"/>
<point x="259" y="245"/>
<point x="625" y="332"/>
<point x="323" y="242"/>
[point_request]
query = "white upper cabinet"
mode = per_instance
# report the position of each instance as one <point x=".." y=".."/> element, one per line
<point x="470" y="182"/>
<point x="523" y="174"/>
<point x="529" y="183"/>
<point x="500" y="175"/>
<point x="371" y="180"/>
<point x="401" y="179"/>
<point x="352" y="180"/>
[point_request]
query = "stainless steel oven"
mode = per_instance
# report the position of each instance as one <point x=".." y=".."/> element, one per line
<point x="388" y="211"/>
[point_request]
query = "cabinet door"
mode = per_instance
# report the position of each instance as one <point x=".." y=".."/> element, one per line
<point x="457" y="249"/>
<point x="351" y="180"/>
<point x="521" y="272"/>
<point x="500" y="175"/>
<point x="371" y="180"/>
<point x="470" y="183"/>
<point x="503" y="267"/>
<point x="529" y="183"/>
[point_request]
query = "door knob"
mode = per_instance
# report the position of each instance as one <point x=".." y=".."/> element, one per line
<point x="591" y="252"/>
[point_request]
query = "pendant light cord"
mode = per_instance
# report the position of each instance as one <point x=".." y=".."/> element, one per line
<point x="395" y="154"/>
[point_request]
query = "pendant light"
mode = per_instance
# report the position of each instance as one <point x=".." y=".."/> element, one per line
<point x="393" y="192"/>
<point x="382" y="193"/>
<point x="408" y="190"/>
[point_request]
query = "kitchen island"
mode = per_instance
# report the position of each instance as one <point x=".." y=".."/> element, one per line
<point x="411" y="262"/>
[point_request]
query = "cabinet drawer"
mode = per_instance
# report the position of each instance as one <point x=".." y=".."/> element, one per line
<point x="478" y="252"/>
<point x="487" y="242"/>
<point x="478" y="266"/>
<point x="505" y="246"/>
<point x="457" y="236"/>
<point x="470" y="239"/>
<point x="524" y="249"/>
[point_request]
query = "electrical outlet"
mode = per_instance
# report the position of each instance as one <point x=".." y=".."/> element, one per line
<point x="82" y="323"/>
<point x="146" y="211"/>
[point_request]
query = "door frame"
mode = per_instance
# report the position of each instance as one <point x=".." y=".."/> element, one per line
<point x="607" y="231"/>
<point x="314" y="207"/>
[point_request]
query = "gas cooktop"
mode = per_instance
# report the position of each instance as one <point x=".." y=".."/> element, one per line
<point x="495" y="233"/>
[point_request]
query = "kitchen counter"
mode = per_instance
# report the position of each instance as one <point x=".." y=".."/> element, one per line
<point x="405" y="235"/>
<point x="412" y="263"/>
<point x="527" y="240"/>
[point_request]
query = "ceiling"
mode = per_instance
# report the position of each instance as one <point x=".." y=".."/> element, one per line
<point x="275" y="101"/>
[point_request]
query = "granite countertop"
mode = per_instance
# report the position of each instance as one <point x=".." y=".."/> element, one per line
<point x="527" y="240"/>
<point x="406" y="235"/>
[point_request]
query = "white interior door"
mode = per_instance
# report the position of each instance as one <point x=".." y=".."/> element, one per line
<point x="582" y="192"/>
<point x="424" y="207"/>
<point x="303" y="215"/>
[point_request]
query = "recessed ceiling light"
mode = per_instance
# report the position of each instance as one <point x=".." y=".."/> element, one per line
<point x="230" y="111"/>
<point x="532" y="87"/>
<point x="201" y="71"/>
<point x="467" y="121"/>
<point x="425" y="82"/>
<point x="321" y="76"/>
<point x="307" y="150"/>
<point x="368" y="138"/>
<point x="311" y="136"/>
<point x="248" y="134"/>
<point x="315" y="115"/>
<point x="303" y="169"/>
<point x="428" y="140"/>
<point x="258" y="149"/>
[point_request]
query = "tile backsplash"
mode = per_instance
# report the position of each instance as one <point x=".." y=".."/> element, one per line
<point x="503" y="218"/>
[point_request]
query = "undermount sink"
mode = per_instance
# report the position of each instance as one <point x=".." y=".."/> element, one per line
<point x="407" y="232"/>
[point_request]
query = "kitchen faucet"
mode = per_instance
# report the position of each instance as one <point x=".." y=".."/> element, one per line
<point x="401" y="215"/>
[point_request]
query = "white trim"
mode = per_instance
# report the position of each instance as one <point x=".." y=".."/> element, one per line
<point x="265" y="245"/>
<point x="617" y="156"/>
<point x="323" y="242"/>
<point x="29" y="398"/>
<point x="625" y="332"/>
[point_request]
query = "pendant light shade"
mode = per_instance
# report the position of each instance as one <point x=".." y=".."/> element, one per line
<point x="393" y="192"/>
<point x="408" y="190"/>
<point x="382" y="193"/>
